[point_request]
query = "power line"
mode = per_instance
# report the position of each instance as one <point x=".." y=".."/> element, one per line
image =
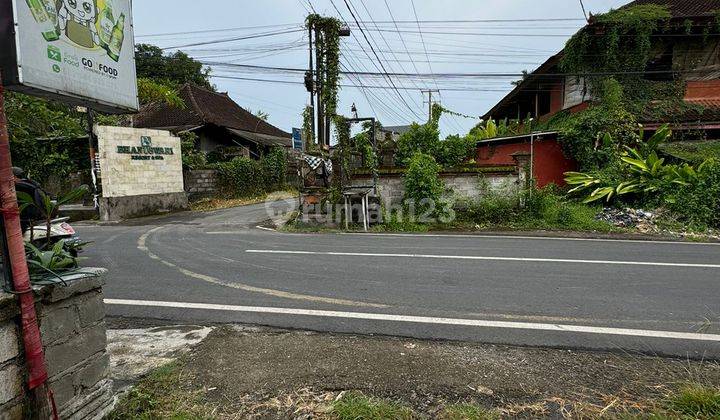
<point x="422" y="39"/>
<point x="347" y="4"/>
<point x="449" y="75"/>
<point x="381" y="103"/>
<point x="220" y="41"/>
<point x="402" y="67"/>
<point x="207" y="31"/>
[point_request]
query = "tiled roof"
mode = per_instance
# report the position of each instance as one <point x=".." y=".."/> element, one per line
<point x="684" y="8"/>
<point x="205" y="107"/>
<point x="708" y="111"/>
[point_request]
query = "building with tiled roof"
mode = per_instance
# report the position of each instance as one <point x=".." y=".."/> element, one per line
<point x="547" y="91"/>
<point x="216" y="119"/>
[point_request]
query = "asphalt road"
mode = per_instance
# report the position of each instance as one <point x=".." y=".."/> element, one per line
<point x="650" y="297"/>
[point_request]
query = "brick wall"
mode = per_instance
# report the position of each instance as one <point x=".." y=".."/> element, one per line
<point x="123" y="176"/>
<point x="72" y="324"/>
<point x="201" y="182"/>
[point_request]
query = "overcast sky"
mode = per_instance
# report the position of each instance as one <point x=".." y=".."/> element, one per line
<point x="478" y="46"/>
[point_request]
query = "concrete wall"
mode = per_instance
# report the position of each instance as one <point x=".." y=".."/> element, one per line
<point x="139" y="181"/>
<point x="200" y="182"/>
<point x="73" y="331"/>
<point x="471" y="185"/>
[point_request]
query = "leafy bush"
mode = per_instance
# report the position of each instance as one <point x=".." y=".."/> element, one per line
<point x="275" y="167"/>
<point x="643" y="172"/>
<point x="545" y="208"/>
<point x="420" y="138"/>
<point x="454" y="150"/>
<point x="697" y="204"/>
<point x="191" y="157"/>
<point x="245" y="177"/>
<point x="422" y="181"/>
<point x="241" y="177"/>
<point x="595" y="136"/>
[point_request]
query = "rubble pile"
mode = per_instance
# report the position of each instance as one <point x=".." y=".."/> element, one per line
<point x="643" y="221"/>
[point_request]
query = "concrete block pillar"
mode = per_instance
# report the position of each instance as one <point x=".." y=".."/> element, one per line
<point x="522" y="161"/>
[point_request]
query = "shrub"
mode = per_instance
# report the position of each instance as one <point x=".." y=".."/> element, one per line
<point x="191" y="157"/>
<point x="241" y="177"/>
<point x="275" y="166"/>
<point x="698" y="204"/>
<point x="420" y="138"/>
<point x="583" y="135"/>
<point x="455" y="150"/>
<point x="422" y="181"/>
<point x="543" y="208"/>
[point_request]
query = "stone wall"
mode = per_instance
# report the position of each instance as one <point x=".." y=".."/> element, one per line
<point x="73" y="331"/>
<point x="470" y="185"/>
<point x="200" y="182"/>
<point x="140" y="172"/>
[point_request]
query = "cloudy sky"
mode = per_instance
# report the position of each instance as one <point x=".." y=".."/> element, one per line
<point x="448" y="37"/>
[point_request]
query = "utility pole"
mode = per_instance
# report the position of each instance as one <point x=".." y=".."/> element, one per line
<point x="430" y="101"/>
<point x="310" y="86"/>
<point x="315" y="80"/>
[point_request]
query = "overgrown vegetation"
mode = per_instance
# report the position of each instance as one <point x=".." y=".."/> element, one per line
<point x="245" y="177"/>
<point x="423" y="186"/>
<point x="642" y="177"/>
<point x="543" y="209"/>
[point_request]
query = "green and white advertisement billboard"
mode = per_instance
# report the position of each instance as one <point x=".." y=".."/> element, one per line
<point x="77" y="51"/>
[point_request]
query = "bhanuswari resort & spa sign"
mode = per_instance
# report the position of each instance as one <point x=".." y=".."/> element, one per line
<point x="145" y="151"/>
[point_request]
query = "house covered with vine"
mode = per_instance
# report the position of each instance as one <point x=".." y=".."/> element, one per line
<point x="649" y="63"/>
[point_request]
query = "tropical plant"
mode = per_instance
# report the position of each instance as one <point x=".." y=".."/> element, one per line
<point x="49" y="208"/>
<point x="53" y="261"/>
<point x="643" y="172"/>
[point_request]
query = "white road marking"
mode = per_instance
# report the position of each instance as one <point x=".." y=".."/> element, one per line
<point x="472" y="257"/>
<point x="563" y="328"/>
<point x="548" y="238"/>
<point x="265" y="228"/>
<point x="142" y="246"/>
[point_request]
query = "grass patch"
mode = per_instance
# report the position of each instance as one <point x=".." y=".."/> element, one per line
<point x="357" y="406"/>
<point x="219" y="203"/>
<point x="467" y="412"/>
<point x="160" y="396"/>
<point x="544" y="209"/>
<point x="696" y="401"/>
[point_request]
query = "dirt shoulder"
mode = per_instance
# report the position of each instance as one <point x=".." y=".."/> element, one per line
<point x="239" y="373"/>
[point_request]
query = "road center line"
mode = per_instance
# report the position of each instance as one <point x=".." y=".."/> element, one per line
<point x="480" y="258"/>
<point x="563" y="328"/>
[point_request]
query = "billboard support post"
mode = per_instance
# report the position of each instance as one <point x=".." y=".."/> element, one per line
<point x="32" y="342"/>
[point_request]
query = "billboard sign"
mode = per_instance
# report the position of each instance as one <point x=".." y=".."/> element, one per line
<point x="297" y="139"/>
<point x="77" y="51"/>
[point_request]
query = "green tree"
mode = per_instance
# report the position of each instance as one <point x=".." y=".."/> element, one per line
<point x="34" y="125"/>
<point x="420" y="138"/>
<point x="174" y="69"/>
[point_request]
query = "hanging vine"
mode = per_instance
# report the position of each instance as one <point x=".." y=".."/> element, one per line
<point x="342" y="132"/>
<point x="327" y="47"/>
<point x="438" y="110"/>
<point x="308" y="129"/>
<point x="620" y="40"/>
